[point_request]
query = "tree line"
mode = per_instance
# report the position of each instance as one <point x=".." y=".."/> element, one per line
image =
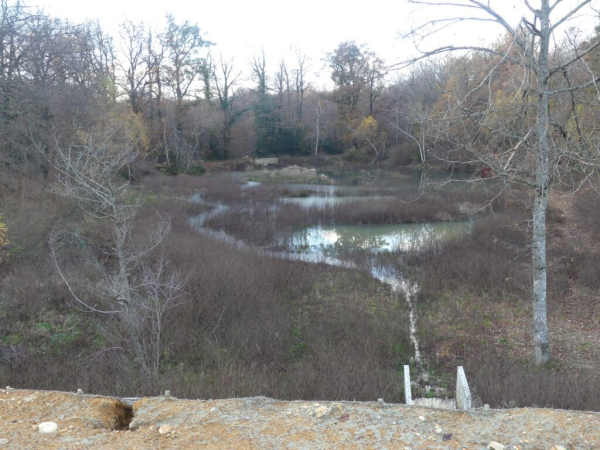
<point x="188" y="103"/>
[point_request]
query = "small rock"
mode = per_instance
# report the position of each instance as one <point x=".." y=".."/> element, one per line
<point x="3" y="442"/>
<point x="422" y="419"/>
<point x="380" y="400"/>
<point x="47" y="427"/>
<point x="344" y="417"/>
<point x="558" y="447"/>
<point x="447" y="437"/>
<point x="495" y="446"/>
<point x="337" y="408"/>
<point x="165" y="429"/>
<point x="322" y="411"/>
<point x="438" y="429"/>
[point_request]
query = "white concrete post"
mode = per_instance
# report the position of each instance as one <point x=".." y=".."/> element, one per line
<point x="463" y="393"/>
<point x="407" y="391"/>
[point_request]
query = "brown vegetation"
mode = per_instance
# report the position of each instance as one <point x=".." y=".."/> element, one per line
<point x="250" y="326"/>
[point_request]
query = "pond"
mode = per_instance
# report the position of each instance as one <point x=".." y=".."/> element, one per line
<point x="327" y="240"/>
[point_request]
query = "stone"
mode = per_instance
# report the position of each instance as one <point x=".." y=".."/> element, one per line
<point x="167" y="393"/>
<point x="495" y="445"/>
<point x="47" y="427"/>
<point x="80" y="391"/>
<point x="463" y="393"/>
<point x="438" y="429"/>
<point x="322" y="411"/>
<point x="558" y="447"/>
<point x="421" y="418"/>
<point x="3" y="442"/>
<point x="165" y="429"/>
<point x="337" y="408"/>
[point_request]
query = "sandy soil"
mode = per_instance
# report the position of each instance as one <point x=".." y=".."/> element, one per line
<point x="85" y="421"/>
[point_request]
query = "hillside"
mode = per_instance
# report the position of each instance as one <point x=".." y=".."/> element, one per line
<point x="85" y="421"/>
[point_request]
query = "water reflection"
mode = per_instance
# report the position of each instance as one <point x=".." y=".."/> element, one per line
<point x="328" y="200"/>
<point x="374" y="238"/>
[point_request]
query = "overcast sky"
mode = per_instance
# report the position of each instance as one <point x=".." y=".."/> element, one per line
<point x="240" y="28"/>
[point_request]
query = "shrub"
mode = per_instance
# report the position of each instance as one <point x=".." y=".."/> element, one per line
<point x="404" y="154"/>
<point x="196" y="169"/>
<point x="357" y="155"/>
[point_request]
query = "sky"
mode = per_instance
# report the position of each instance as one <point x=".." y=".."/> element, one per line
<point x="240" y="28"/>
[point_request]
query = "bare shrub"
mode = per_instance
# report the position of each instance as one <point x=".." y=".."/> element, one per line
<point x="502" y="382"/>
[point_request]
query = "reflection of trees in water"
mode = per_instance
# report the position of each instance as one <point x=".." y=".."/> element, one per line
<point x="407" y="237"/>
<point x="418" y="238"/>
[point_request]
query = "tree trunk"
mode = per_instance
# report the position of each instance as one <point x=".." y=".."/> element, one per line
<point x="127" y="314"/>
<point x="541" y="346"/>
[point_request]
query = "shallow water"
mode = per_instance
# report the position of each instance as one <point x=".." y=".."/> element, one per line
<point x="374" y="238"/>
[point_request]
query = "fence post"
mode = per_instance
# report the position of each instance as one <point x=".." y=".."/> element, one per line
<point x="407" y="390"/>
<point x="463" y="393"/>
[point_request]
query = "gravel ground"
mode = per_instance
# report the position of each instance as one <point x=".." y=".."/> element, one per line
<point x="84" y="421"/>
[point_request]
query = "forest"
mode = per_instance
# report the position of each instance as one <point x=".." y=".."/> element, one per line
<point x="141" y="248"/>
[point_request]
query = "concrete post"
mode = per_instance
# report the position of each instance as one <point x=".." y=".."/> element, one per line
<point x="407" y="390"/>
<point x="463" y="393"/>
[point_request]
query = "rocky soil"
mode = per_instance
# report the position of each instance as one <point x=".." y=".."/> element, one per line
<point x="86" y="421"/>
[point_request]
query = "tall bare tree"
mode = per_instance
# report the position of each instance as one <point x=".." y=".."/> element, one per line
<point x="225" y="80"/>
<point x="507" y="122"/>
<point x="133" y="63"/>
<point x="134" y="289"/>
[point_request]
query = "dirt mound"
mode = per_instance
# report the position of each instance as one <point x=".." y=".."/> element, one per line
<point x="86" y="421"/>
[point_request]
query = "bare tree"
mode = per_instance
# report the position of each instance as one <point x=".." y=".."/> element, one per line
<point x="505" y="122"/>
<point x="258" y="64"/>
<point x="182" y="44"/>
<point x="225" y="80"/>
<point x="302" y="66"/>
<point x="133" y="289"/>
<point x="133" y="65"/>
